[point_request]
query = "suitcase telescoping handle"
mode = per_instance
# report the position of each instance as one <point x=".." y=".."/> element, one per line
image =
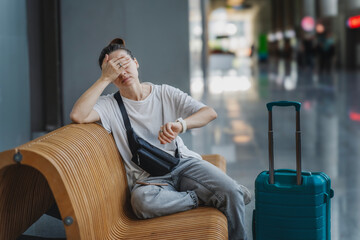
<point x="297" y="106"/>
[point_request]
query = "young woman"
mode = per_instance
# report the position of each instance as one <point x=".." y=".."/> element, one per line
<point x="158" y="114"/>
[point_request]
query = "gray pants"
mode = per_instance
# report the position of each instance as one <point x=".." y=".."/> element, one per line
<point x="192" y="180"/>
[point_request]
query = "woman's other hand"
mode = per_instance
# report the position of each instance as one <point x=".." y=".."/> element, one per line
<point x="169" y="132"/>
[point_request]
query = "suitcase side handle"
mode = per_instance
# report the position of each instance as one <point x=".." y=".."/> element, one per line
<point x="297" y="106"/>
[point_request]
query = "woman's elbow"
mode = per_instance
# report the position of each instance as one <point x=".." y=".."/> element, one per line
<point x="213" y="114"/>
<point x="75" y="117"/>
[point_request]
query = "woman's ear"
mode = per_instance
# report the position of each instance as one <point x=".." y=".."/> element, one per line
<point x="136" y="62"/>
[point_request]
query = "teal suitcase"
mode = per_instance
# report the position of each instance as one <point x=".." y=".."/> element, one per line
<point x="289" y="204"/>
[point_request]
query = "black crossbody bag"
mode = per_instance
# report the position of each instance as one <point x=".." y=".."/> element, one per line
<point x="150" y="158"/>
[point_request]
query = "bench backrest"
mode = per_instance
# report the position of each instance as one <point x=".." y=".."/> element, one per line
<point x="85" y="173"/>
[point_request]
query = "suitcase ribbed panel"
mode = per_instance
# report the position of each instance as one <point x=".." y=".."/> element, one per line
<point x="292" y="212"/>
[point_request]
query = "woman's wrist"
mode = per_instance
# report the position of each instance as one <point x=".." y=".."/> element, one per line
<point x="183" y="124"/>
<point x="105" y="79"/>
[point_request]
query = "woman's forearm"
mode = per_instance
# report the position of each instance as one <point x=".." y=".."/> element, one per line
<point x="170" y="130"/>
<point x="84" y="105"/>
<point x="201" y="118"/>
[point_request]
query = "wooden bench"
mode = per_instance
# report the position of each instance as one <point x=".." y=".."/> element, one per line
<point x="80" y="168"/>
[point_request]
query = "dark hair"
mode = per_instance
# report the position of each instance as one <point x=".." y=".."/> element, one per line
<point x="114" y="45"/>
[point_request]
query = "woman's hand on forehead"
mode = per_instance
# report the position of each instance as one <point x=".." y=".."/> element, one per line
<point x="122" y="56"/>
<point x="122" y="61"/>
<point x="111" y="67"/>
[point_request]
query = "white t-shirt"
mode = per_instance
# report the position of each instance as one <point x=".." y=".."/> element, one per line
<point x="164" y="104"/>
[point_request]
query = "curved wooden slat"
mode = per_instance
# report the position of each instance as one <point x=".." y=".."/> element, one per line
<point x="201" y="223"/>
<point x="25" y="195"/>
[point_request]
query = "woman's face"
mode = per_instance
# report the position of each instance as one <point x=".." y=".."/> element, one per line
<point x="129" y="73"/>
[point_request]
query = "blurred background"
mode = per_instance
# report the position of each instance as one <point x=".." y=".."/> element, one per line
<point x="234" y="55"/>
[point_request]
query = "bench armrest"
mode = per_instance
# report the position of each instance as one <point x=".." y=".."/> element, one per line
<point x="217" y="160"/>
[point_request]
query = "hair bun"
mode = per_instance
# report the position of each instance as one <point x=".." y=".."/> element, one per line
<point x="119" y="41"/>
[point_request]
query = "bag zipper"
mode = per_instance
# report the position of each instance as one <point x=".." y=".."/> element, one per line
<point x="138" y="159"/>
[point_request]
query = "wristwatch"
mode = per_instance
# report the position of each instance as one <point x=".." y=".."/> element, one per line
<point x="183" y="123"/>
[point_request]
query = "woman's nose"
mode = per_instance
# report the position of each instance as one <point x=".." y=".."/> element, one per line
<point x="123" y="73"/>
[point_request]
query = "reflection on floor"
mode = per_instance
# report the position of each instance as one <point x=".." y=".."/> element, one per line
<point x="330" y="122"/>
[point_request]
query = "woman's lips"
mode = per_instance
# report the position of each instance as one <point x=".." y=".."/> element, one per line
<point x="124" y="80"/>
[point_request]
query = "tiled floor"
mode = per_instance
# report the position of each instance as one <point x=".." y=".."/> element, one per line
<point x="330" y="122"/>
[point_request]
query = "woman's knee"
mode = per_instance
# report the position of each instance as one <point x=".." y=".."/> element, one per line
<point x="142" y="200"/>
<point x="233" y="192"/>
<point x="237" y="193"/>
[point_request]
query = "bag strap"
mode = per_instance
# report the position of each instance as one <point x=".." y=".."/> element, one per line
<point x="129" y="130"/>
<point x="123" y="111"/>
